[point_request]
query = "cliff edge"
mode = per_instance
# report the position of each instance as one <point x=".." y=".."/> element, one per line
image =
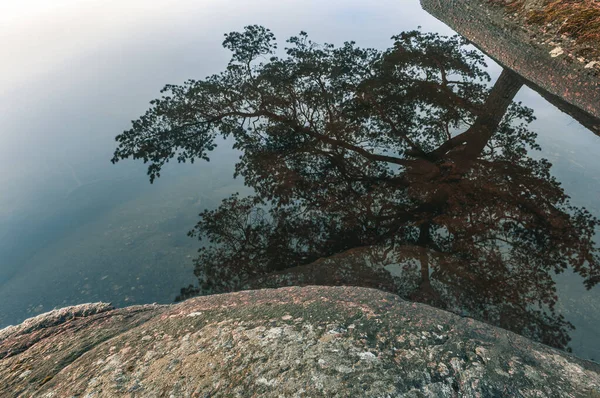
<point x="552" y="62"/>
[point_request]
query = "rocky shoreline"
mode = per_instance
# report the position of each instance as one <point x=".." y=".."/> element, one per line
<point x="289" y="342"/>
<point x="549" y="63"/>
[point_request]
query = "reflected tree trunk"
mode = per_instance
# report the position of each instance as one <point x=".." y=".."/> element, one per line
<point x="425" y="293"/>
<point x="464" y="148"/>
<point x="424" y="239"/>
<point x="501" y="96"/>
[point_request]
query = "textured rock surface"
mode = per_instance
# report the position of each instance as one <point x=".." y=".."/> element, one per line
<point x="311" y="341"/>
<point x="524" y="49"/>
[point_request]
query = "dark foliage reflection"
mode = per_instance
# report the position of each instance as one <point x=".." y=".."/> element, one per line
<point x="401" y="169"/>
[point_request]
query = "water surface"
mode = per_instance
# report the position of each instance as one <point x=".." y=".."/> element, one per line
<point x="75" y="228"/>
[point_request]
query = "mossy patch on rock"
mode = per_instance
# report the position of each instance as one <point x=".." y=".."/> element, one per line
<point x="578" y="19"/>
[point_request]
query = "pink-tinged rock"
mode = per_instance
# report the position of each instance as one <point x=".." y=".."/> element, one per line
<point x="344" y="342"/>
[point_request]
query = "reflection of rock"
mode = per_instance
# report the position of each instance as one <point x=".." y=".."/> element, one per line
<point x="582" y="308"/>
<point x="362" y="266"/>
<point x="315" y="341"/>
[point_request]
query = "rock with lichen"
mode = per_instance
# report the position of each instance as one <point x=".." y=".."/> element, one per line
<point x="563" y="68"/>
<point x="288" y="342"/>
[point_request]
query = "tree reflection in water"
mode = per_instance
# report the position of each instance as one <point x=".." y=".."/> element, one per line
<point x="400" y="169"/>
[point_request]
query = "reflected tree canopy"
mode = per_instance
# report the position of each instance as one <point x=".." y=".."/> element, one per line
<point x="402" y="169"/>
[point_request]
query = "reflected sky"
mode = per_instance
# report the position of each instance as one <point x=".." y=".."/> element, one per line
<point x="78" y="72"/>
<point x="75" y="73"/>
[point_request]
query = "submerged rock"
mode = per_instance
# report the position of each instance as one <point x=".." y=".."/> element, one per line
<point x="310" y="341"/>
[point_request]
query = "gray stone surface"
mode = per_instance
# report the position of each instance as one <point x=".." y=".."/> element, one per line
<point x="528" y="51"/>
<point x="289" y="342"/>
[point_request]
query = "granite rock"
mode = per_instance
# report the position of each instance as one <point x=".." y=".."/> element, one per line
<point x="289" y="342"/>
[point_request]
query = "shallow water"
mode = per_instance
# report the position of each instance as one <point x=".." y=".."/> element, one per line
<point x="75" y="228"/>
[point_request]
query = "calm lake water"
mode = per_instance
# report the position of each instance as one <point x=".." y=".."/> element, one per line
<point x="75" y="228"/>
